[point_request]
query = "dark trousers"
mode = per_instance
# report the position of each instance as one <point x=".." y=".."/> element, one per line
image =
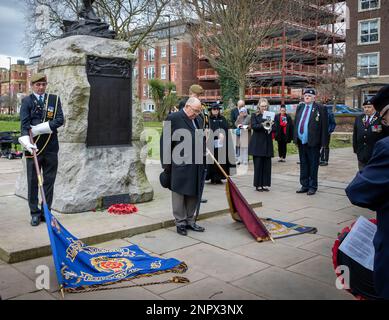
<point x="48" y="163"/>
<point x="325" y="151"/>
<point x="309" y="166"/>
<point x="282" y="147"/>
<point x="262" y="171"/>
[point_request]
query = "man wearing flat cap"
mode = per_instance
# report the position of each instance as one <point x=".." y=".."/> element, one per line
<point x="310" y="135"/>
<point x="368" y="129"/>
<point x="370" y="189"/>
<point x="42" y="113"/>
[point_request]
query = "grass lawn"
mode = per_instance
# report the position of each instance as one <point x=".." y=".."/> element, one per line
<point x="9" y="126"/>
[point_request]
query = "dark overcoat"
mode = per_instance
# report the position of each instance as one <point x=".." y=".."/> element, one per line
<point x="317" y="125"/>
<point x="370" y="189"/>
<point x="261" y="142"/>
<point x="186" y="172"/>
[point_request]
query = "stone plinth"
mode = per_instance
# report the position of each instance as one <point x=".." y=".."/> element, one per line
<point x="86" y="175"/>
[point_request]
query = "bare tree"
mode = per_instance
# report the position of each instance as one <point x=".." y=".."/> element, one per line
<point x="45" y="18"/>
<point x="231" y="32"/>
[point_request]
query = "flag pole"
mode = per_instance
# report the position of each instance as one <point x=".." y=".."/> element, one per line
<point x="42" y="191"/>
<point x="227" y="177"/>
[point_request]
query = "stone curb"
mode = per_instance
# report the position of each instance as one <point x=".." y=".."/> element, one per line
<point x="38" y="252"/>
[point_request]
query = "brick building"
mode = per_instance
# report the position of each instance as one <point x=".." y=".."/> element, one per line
<point x="153" y="61"/>
<point x="367" y="63"/>
<point x="17" y="85"/>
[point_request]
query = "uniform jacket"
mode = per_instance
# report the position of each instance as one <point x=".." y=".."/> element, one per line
<point x="279" y="133"/>
<point x="317" y="125"/>
<point x="365" y="137"/>
<point x="331" y="122"/>
<point x="186" y="176"/>
<point x="31" y="113"/>
<point x="370" y="189"/>
<point x="261" y="142"/>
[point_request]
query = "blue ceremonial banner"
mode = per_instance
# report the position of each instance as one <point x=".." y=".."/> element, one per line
<point x="78" y="265"/>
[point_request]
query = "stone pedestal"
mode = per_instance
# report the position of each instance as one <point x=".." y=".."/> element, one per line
<point x="86" y="176"/>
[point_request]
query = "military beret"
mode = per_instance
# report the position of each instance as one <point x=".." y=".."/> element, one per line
<point x="381" y="99"/>
<point x="38" y="77"/>
<point x="197" y="89"/>
<point x="310" y="91"/>
<point x="367" y="102"/>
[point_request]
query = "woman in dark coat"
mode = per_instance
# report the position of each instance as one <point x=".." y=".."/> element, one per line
<point x="218" y="137"/>
<point x="261" y="148"/>
<point x="283" y="132"/>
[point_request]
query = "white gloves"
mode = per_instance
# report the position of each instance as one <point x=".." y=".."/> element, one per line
<point x="25" y="142"/>
<point x="41" y="128"/>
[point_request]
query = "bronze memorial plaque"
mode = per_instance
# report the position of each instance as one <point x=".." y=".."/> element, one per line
<point x="110" y="103"/>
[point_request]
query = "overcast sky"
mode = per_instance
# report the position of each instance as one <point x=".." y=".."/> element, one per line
<point x="12" y="28"/>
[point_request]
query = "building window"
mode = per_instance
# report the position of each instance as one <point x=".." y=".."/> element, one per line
<point x="368" y="64"/>
<point x="145" y="93"/>
<point x="369" y="31"/>
<point x="145" y="73"/>
<point x="365" y="5"/>
<point x="151" y="72"/>
<point x="149" y="92"/>
<point x="174" y="50"/>
<point x="150" y="107"/>
<point x="163" y="52"/>
<point x="145" y="55"/>
<point x="163" y="72"/>
<point x="151" y="54"/>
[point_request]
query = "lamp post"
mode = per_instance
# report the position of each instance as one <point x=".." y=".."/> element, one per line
<point x="169" y="51"/>
<point x="9" y="86"/>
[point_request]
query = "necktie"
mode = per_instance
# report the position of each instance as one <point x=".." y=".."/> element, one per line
<point x="41" y="100"/>
<point x="304" y="119"/>
<point x="367" y="121"/>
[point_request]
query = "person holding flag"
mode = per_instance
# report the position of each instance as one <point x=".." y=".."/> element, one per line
<point x="42" y="113"/>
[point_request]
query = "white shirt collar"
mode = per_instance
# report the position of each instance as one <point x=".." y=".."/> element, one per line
<point x="37" y="96"/>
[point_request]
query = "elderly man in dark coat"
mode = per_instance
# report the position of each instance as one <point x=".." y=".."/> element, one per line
<point x="310" y="135"/>
<point x="370" y="189"/>
<point x="182" y="158"/>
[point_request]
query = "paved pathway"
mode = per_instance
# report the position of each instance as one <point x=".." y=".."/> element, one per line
<point x="224" y="262"/>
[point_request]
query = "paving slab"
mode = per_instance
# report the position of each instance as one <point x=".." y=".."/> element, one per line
<point x="162" y="241"/>
<point x="277" y="283"/>
<point x="321" y="246"/>
<point x="216" y="262"/>
<point x="210" y="289"/>
<point x="275" y="254"/>
<point x="13" y="283"/>
<point x="318" y="268"/>
<point x="39" y="295"/>
<point x="299" y="240"/>
<point x="324" y="214"/>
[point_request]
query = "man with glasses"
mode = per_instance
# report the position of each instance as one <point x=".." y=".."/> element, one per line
<point x="370" y="189"/>
<point x="42" y="113"/>
<point x="182" y="158"/>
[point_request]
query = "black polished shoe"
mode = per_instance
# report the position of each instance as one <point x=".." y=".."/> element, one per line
<point x="302" y="190"/>
<point x="35" y="220"/>
<point x="323" y="163"/>
<point x="182" y="230"/>
<point x="258" y="189"/>
<point x="311" y="192"/>
<point x="195" y="227"/>
<point x="42" y="217"/>
<point x="265" y="189"/>
<point x="204" y="201"/>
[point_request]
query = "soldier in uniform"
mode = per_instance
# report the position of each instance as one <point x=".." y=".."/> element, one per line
<point x="370" y="189"/>
<point x="42" y="113"/>
<point x="368" y="129"/>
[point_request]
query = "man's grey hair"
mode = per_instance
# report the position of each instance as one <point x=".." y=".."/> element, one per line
<point x="192" y="101"/>
<point x="241" y="103"/>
